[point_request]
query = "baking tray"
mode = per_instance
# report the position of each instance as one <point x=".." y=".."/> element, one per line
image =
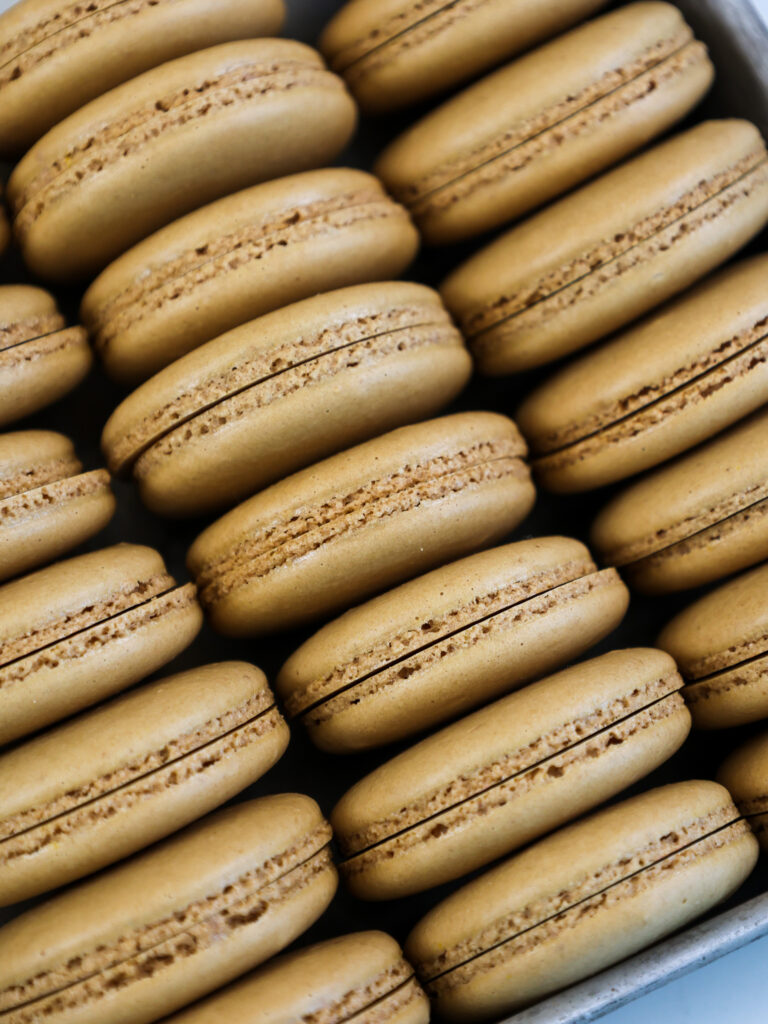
<point x="739" y="43"/>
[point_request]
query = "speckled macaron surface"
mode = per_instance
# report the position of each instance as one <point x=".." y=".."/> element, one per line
<point x="547" y="122"/>
<point x="362" y="520"/>
<point x="615" y="248"/>
<point x="285" y="390"/>
<point x="745" y="774"/>
<point x="581" y="900"/>
<point x="167" y="927"/>
<point x="448" y="641"/>
<point x="241" y="257"/>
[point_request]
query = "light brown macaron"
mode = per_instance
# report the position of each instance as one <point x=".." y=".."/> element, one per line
<point x="581" y="900"/>
<point x="547" y="122"/>
<point x="164" y="143"/>
<point x="47" y="504"/>
<point x="443" y="643"/>
<point x="362" y="520"/>
<point x="285" y="390"/>
<point x="167" y="927"/>
<point x="361" y="979"/>
<point x="677" y="378"/>
<point x="510" y="772"/>
<point x="394" y="53"/>
<point x="241" y="257"/>
<point x="41" y="359"/>
<point x="745" y="774"/>
<point x="703" y="516"/>
<point x="720" y="643"/>
<point x="614" y="249"/>
<point x="116" y="779"/>
<point x="56" y="55"/>
<point x="83" y="629"/>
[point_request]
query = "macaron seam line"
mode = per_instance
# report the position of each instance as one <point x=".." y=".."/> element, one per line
<point x="391" y="1004"/>
<point x="364" y="997"/>
<point x="47" y="471"/>
<point x="43" y="325"/>
<point x="746" y="674"/>
<point x="733" y="656"/>
<point x="52" y="496"/>
<point x="32" y="349"/>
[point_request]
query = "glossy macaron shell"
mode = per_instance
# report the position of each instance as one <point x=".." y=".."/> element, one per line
<point x="703" y="516"/>
<point x="547" y="122"/>
<point x="362" y="520"/>
<point x="164" y="143"/>
<point x="581" y="900"/>
<point x="58" y="55"/>
<point x="616" y="248"/>
<point x="448" y="641"/>
<point x="241" y="257"/>
<point x="509" y="773"/>
<point x="285" y="390"/>
<point x="167" y="927"/>
<point x="744" y="773"/>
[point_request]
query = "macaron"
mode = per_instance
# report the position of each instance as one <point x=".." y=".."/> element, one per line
<point x="57" y="55"/>
<point x="703" y="516"/>
<point x="611" y="414"/>
<point x="394" y="53"/>
<point x="239" y="258"/>
<point x="721" y="645"/>
<point x="167" y="927"/>
<point x="47" y="504"/>
<point x="83" y="629"/>
<point x="510" y="772"/>
<point x="547" y="122"/>
<point x="166" y="142"/>
<point x="613" y="249"/>
<point x="443" y="643"/>
<point x="147" y="764"/>
<point x="361" y="979"/>
<point x="581" y="900"/>
<point x="363" y="520"/>
<point x="41" y="359"/>
<point x="745" y="774"/>
<point x="285" y="390"/>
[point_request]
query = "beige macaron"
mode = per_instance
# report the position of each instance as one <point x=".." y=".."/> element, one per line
<point x="745" y="774"/>
<point x="443" y="643"/>
<point x="41" y="359"/>
<point x="611" y="414"/>
<point x="47" y="504"/>
<point x="56" y="55"/>
<point x="721" y="645"/>
<point x="164" y="143"/>
<point x="703" y="516"/>
<point x="285" y="390"/>
<point x="362" y="520"/>
<point x="394" y="53"/>
<point x="167" y="927"/>
<point x="547" y="122"/>
<point x="509" y="773"/>
<point x="146" y="764"/>
<point x="240" y="257"/>
<point x="581" y="900"/>
<point x="86" y="628"/>
<point x="597" y="259"/>
<point x="360" y="979"/>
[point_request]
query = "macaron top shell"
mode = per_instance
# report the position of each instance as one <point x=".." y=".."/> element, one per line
<point x="30" y="458"/>
<point x="745" y="775"/>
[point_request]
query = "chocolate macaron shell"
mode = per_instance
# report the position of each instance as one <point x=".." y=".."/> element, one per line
<point x="509" y="773"/>
<point x="148" y="764"/>
<point x="233" y="415"/>
<point x="362" y="520"/>
<point x="703" y="516"/>
<point x="359" y="978"/>
<point x="744" y="773"/>
<point x="168" y="141"/>
<point x="394" y="53"/>
<point x="615" y="248"/>
<point x="704" y="366"/>
<point x="47" y="506"/>
<point x="170" y="925"/>
<point x="547" y="122"/>
<point x="721" y="645"/>
<point x="85" y="628"/>
<point x="58" y="55"/>
<point x="241" y="257"/>
<point x="445" y="642"/>
<point x="582" y="899"/>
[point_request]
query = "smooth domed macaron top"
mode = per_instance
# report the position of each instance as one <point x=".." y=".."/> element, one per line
<point x="29" y="458"/>
<point x="26" y="312"/>
<point x="744" y="773"/>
